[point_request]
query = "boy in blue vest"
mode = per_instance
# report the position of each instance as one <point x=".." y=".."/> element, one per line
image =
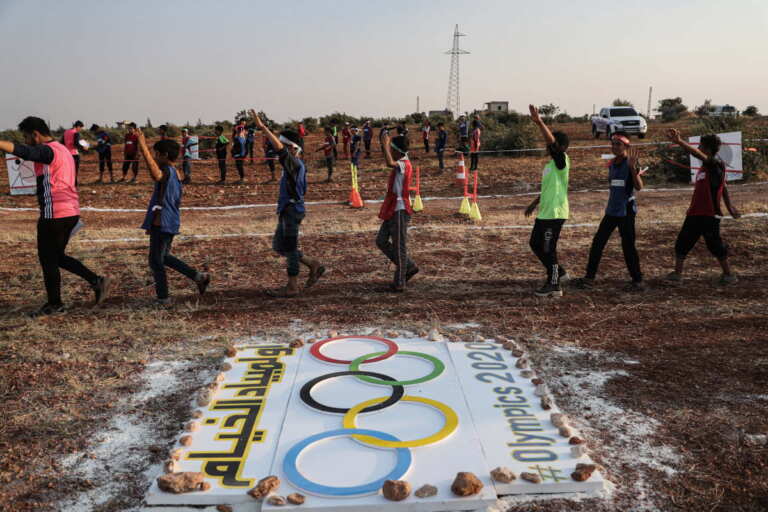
<point x="440" y="144"/>
<point x="290" y="210"/>
<point x="163" y="219"/>
<point x="624" y="178"/>
<point x="104" y="150"/>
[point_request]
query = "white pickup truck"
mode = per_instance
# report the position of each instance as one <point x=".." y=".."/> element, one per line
<point x="619" y="119"/>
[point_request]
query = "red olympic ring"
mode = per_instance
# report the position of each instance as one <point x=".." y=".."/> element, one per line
<point x="392" y="349"/>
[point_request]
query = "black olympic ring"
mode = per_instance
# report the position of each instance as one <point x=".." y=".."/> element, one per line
<point x="306" y="392"/>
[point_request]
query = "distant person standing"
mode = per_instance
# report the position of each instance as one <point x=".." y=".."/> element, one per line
<point x="474" y="145"/>
<point x="327" y="149"/>
<point x="270" y="155"/>
<point x="239" y="151"/>
<point x="356" y="148"/>
<point x="71" y="139"/>
<point x="335" y="133"/>
<point x="131" y="153"/>
<point x="440" y="144"/>
<point x="425" y="129"/>
<point x="188" y="145"/>
<point x="240" y="125"/>
<point x="383" y="134"/>
<point x="250" y="139"/>
<point x="346" y="139"/>
<point x="367" y="137"/>
<point x="463" y="128"/>
<point x="59" y="211"/>
<point x="162" y="130"/>
<point x="104" y="150"/>
<point x="221" y="153"/>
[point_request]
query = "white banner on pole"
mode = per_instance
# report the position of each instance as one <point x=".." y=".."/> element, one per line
<point x="21" y="176"/>
<point x="730" y="154"/>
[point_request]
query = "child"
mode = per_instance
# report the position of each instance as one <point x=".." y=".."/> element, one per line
<point x="346" y="139"/>
<point x="327" y="149"/>
<point x="71" y="139"/>
<point x="396" y="212"/>
<point x="463" y="129"/>
<point x="474" y="145"/>
<point x="290" y="210"/>
<point x="239" y="151"/>
<point x="163" y="218"/>
<point x="131" y="153"/>
<point x="425" y="129"/>
<point x="335" y="132"/>
<point x="250" y="139"/>
<point x="270" y="155"/>
<point x="59" y="211"/>
<point x="187" y="145"/>
<point x="162" y="130"/>
<point x="440" y="143"/>
<point x="702" y="216"/>
<point x="367" y="137"/>
<point x="624" y="178"/>
<point x="104" y="149"/>
<point x="221" y="153"/>
<point x="553" y="207"/>
<point x="356" y="147"/>
<point x="383" y="133"/>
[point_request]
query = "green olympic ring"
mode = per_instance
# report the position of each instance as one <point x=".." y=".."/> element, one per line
<point x="439" y="367"/>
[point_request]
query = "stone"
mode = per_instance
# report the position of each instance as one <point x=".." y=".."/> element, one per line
<point x="526" y="374"/>
<point x="170" y="466"/>
<point x="518" y="353"/>
<point x="575" y="440"/>
<point x="559" y="419"/>
<point x="541" y="390"/>
<point x="534" y="478"/>
<point x="205" y="486"/>
<point x="311" y="340"/>
<point x="423" y="334"/>
<point x="426" y="491"/>
<point x="204" y="397"/>
<point x="231" y="351"/>
<point x="276" y="501"/>
<point x="396" y="490"/>
<point x="223" y="508"/>
<point x="296" y="499"/>
<point x="392" y="334"/>
<point x="509" y="346"/>
<point x="466" y="484"/>
<point x="297" y="343"/>
<point x="537" y="381"/>
<point x="546" y="403"/>
<point x="578" y="450"/>
<point x="185" y="440"/>
<point x="179" y="483"/>
<point x="479" y="338"/>
<point x="521" y="363"/>
<point x="220" y="377"/>
<point x="197" y="414"/>
<point x="377" y="333"/>
<point x="454" y="339"/>
<point x="176" y="453"/>
<point x="565" y="431"/>
<point x="192" y="426"/>
<point x="501" y="340"/>
<point x="434" y="335"/>
<point x="503" y="475"/>
<point x="265" y="486"/>
<point x="225" y="367"/>
<point x="583" y="472"/>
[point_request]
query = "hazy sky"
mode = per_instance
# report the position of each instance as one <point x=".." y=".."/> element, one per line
<point x="178" y="61"/>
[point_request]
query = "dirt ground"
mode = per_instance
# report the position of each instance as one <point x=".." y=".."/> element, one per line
<point x="691" y="358"/>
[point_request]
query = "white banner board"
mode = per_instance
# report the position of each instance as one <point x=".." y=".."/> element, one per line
<point x="730" y="153"/>
<point x="21" y="176"/>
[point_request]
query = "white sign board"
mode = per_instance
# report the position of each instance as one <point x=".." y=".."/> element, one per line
<point x="335" y="419"/>
<point x="21" y="176"/>
<point x="730" y="153"/>
<point x="194" y="147"/>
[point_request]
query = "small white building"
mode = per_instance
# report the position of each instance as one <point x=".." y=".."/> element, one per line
<point x="497" y="106"/>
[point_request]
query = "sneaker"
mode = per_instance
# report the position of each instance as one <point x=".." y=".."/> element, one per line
<point x="725" y="280"/>
<point x="584" y="283"/>
<point x="549" y="290"/>
<point x="48" y="309"/>
<point x="203" y="280"/>
<point x="410" y="273"/>
<point x="675" y="277"/>
<point x="562" y="275"/>
<point x="635" y="286"/>
<point x="101" y="289"/>
<point x="396" y="288"/>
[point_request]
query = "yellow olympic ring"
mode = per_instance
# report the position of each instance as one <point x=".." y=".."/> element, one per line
<point x="451" y="422"/>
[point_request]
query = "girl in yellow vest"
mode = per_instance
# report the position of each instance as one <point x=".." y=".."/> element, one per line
<point x="553" y="208"/>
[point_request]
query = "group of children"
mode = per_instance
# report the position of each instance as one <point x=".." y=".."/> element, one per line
<point x="56" y="169"/>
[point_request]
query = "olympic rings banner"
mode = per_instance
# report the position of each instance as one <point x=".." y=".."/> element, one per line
<point x="335" y="419"/>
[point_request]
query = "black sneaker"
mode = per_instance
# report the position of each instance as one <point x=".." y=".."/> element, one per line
<point x="412" y="272"/>
<point x="584" y="283"/>
<point x="48" y="309"/>
<point x="101" y="289"/>
<point x="549" y="290"/>
<point x="396" y="288"/>
<point x="562" y="275"/>
<point x="204" y="279"/>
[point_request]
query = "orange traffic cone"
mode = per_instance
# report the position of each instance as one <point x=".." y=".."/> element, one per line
<point x="461" y="171"/>
<point x="355" y="201"/>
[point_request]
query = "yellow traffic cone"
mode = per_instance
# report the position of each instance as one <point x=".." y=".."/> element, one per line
<point x="417" y="204"/>
<point x="474" y="212"/>
<point x="464" y="208"/>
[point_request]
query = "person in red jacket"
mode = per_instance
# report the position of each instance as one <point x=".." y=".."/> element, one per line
<point x="396" y="212"/>
<point x="131" y="153"/>
<point x="702" y="218"/>
<point x="346" y="139"/>
<point x="71" y="139"/>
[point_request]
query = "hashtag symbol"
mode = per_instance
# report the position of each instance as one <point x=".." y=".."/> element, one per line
<point x="548" y="473"/>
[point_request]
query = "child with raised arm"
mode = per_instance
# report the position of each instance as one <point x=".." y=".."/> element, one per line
<point x="624" y="178"/>
<point x="290" y="210"/>
<point x="553" y="207"/>
<point x="163" y="218"/>
<point x="327" y="149"/>
<point x="396" y="212"/>
<point x="59" y="211"/>
<point x="702" y="220"/>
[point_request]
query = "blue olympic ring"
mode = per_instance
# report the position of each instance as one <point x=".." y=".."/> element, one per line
<point x="404" y="459"/>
